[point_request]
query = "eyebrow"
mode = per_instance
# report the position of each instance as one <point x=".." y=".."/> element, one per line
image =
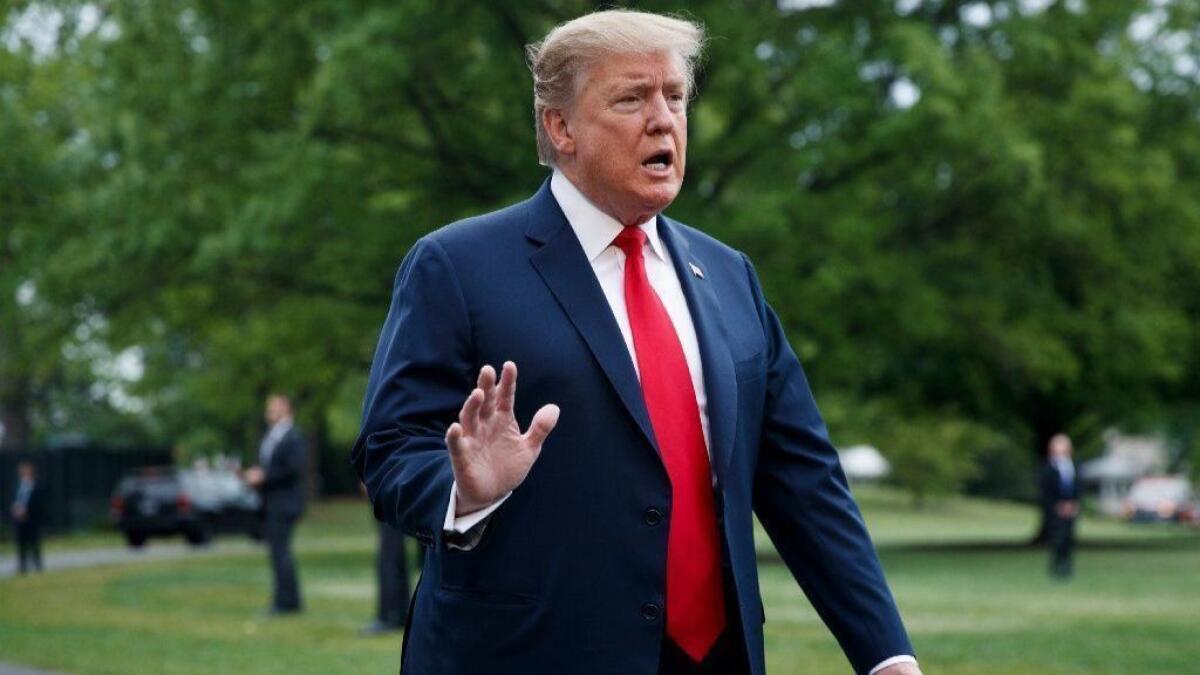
<point x="638" y="82"/>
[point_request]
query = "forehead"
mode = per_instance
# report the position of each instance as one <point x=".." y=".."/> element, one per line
<point x="616" y="70"/>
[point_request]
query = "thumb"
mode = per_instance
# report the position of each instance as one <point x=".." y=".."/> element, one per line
<point x="453" y="438"/>
<point x="543" y="423"/>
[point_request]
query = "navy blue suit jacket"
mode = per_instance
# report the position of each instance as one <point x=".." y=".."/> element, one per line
<point x="283" y="479"/>
<point x="1052" y="488"/>
<point x="571" y="568"/>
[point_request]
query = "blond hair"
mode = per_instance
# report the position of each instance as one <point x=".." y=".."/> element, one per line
<point x="561" y="59"/>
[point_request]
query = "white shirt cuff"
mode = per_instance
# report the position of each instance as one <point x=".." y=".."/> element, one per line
<point x="460" y="525"/>
<point x="892" y="661"/>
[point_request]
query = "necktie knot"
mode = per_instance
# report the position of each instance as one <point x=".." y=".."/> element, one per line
<point x="631" y="241"/>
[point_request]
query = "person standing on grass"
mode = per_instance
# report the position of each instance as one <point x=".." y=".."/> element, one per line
<point x="1060" y="500"/>
<point x="279" y="477"/>
<point x="664" y="407"/>
<point x="391" y="574"/>
<point x="26" y="513"/>
<point x="391" y="577"/>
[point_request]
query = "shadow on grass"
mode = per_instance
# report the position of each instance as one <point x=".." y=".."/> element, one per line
<point x="1165" y="544"/>
<point x="1181" y="543"/>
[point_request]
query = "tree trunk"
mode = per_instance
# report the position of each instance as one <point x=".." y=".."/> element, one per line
<point x="14" y="415"/>
<point x="316" y="442"/>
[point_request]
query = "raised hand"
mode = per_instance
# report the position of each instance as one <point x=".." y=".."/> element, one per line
<point x="488" y="453"/>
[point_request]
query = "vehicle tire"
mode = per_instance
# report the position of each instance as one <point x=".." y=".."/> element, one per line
<point x="198" y="536"/>
<point x="135" y="539"/>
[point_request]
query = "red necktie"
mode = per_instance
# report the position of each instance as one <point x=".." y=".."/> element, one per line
<point x="695" y="593"/>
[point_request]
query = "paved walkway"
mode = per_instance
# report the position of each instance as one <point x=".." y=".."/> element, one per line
<point x="153" y="551"/>
<point x="9" y="669"/>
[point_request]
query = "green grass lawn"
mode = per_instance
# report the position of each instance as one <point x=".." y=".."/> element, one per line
<point x="974" y="601"/>
<point x="82" y="539"/>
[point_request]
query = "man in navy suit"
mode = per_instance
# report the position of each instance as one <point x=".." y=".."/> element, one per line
<point x="1060" y="501"/>
<point x="26" y="511"/>
<point x="279" y="477"/>
<point x="664" y="408"/>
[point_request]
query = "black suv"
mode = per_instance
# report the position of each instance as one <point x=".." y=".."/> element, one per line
<point x="197" y="503"/>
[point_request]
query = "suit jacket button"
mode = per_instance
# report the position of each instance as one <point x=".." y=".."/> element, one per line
<point x="651" y="611"/>
<point x="652" y="517"/>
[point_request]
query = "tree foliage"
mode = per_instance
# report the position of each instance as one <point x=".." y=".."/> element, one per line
<point x="979" y="219"/>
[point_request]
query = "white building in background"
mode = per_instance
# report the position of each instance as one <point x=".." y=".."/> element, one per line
<point x="864" y="463"/>
<point x="1125" y="459"/>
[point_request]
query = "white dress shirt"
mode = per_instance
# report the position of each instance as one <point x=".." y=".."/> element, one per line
<point x="596" y="231"/>
<point x="24" y="491"/>
<point x="1066" y="472"/>
<point x="272" y="439"/>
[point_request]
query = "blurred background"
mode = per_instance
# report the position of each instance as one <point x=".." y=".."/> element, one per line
<point x="979" y="222"/>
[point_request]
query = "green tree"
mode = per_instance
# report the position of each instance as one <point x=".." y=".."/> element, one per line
<point x="32" y="330"/>
<point x="981" y="218"/>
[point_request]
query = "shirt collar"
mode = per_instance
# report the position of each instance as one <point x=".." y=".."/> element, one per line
<point x="281" y="427"/>
<point x="594" y="228"/>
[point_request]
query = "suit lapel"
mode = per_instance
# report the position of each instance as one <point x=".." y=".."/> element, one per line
<point x="720" y="385"/>
<point x="566" y="271"/>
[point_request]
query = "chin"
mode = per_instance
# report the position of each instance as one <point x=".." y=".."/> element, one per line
<point x="658" y="197"/>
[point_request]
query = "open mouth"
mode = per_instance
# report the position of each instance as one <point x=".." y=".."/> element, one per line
<point x="659" y="161"/>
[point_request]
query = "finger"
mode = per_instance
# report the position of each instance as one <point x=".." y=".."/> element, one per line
<point x="541" y="426"/>
<point x="487" y="383"/>
<point x="506" y="392"/>
<point x="454" y="438"/>
<point x="469" y="415"/>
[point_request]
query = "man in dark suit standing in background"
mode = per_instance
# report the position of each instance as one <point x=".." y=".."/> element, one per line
<point x="391" y="574"/>
<point x="27" y="517"/>
<point x="1060" y="501"/>
<point x="391" y="577"/>
<point x="279" y="477"/>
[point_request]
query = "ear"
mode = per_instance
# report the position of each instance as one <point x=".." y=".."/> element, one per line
<point x="559" y="131"/>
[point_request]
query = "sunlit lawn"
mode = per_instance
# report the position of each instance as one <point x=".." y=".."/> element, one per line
<point x="972" y="604"/>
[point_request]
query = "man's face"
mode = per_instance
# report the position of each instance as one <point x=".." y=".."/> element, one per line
<point x="1060" y="447"/>
<point x="25" y="471"/>
<point x="628" y="134"/>
<point x="277" y="409"/>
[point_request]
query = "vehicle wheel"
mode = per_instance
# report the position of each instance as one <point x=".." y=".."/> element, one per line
<point x="198" y="536"/>
<point x="135" y="539"/>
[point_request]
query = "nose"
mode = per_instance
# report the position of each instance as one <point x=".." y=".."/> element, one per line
<point x="659" y="119"/>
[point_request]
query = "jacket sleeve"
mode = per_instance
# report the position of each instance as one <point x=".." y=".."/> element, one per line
<point x="804" y="503"/>
<point x="420" y="377"/>
<point x="1050" y="487"/>
<point x="287" y="463"/>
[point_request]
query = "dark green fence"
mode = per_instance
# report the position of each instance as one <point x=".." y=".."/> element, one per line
<point x="78" y="481"/>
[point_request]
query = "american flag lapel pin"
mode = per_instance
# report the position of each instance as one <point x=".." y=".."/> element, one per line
<point x="696" y="270"/>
